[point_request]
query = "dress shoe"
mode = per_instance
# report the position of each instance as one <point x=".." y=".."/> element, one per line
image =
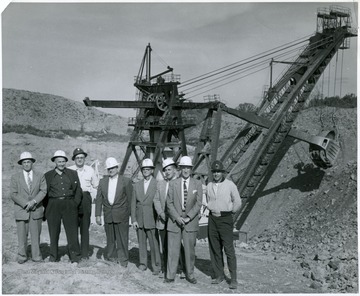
<point x="156" y="272"/>
<point x="167" y="281"/>
<point x="37" y="260"/>
<point x="233" y="285"/>
<point x="142" y="267"/>
<point x="192" y="280"/>
<point x="22" y="260"/>
<point x="217" y="281"/>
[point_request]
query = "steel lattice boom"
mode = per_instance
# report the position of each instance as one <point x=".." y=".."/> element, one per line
<point x="161" y="121"/>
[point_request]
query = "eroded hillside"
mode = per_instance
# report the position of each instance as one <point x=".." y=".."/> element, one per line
<point x="33" y="111"/>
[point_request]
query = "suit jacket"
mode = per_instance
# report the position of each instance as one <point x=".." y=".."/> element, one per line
<point x="20" y="194"/>
<point x="142" y="205"/>
<point x="119" y="211"/>
<point x="160" y="204"/>
<point x="74" y="179"/>
<point x="193" y="204"/>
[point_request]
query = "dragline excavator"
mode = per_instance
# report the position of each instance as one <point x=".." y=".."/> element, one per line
<point x="162" y="116"/>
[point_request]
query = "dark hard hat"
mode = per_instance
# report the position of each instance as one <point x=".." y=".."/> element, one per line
<point x="78" y="151"/>
<point x="217" y="166"/>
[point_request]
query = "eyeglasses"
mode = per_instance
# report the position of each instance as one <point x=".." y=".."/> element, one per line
<point x="80" y="157"/>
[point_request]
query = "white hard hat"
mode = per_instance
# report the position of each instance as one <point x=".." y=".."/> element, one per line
<point x="147" y="163"/>
<point x="59" y="153"/>
<point x="168" y="161"/>
<point x="111" y="162"/>
<point x="185" y="161"/>
<point x="25" y="155"/>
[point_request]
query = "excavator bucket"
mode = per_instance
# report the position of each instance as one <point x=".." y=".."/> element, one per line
<point x="324" y="150"/>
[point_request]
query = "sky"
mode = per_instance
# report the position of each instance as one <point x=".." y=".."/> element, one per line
<point x="94" y="50"/>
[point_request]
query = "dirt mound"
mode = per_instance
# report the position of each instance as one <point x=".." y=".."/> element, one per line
<point x="47" y="112"/>
<point x="320" y="231"/>
<point x="309" y="212"/>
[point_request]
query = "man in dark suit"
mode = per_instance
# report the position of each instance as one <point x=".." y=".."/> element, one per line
<point x="64" y="196"/>
<point x="183" y="204"/>
<point x="113" y="199"/>
<point x="28" y="189"/>
<point x="143" y="217"/>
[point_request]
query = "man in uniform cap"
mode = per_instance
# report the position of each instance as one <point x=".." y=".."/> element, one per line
<point x="184" y="201"/>
<point x="89" y="183"/>
<point x="64" y="197"/>
<point x="143" y="217"/>
<point x="114" y="200"/>
<point x="27" y="190"/>
<point x="223" y="200"/>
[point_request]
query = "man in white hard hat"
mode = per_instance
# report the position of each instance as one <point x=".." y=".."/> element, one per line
<point x="114" y="200"/>
<point x="64" y="197"/>
<point x="27" y="190"/>
<point x="170" y="173"/>
<point x="89" y="183"/>
<point x="143" y="217"/>
<point x="184" y="201"/>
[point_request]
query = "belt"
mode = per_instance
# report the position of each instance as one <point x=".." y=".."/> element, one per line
<point x="221" y="214"/>
<point x="62" y="197"/>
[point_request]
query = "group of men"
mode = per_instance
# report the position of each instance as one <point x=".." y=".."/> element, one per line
<point x="166" y="213"/>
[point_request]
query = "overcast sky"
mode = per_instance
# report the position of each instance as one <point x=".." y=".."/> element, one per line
<point x="95" y="49"/>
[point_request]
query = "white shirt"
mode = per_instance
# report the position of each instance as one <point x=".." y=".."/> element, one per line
<point x="112" y="188"/>
<point x="187" y="181"/>
<point x="146" y="184"/>
<point x="215" y="187"/>
<point x="26" y="176"/>
<point x="88" y="179"/>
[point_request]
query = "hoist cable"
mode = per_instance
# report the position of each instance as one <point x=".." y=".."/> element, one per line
<point x="227" y="83"/>
<point x="311" y="47"/>
<point x="341" y="71"/>
<point x="239" y="71"/>
<point x="232" y="74"/>
<point x="160" y="59"/>
<point x="329" y="79"/>
<point x="264" y="54"/>
<point x="336" y="63"/>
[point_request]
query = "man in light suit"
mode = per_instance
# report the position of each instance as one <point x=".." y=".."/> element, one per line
<point x="143" y="217"/>
<point x="169" y="169"/>
<point x="184" y="201"/>
<point x="28" y="189"/>
<point x="114" y="199"/>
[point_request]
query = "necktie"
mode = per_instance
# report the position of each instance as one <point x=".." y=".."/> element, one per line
<point x="29" y="182"/>
<point x="185" y="194"/>
<point x="167" y="187"/>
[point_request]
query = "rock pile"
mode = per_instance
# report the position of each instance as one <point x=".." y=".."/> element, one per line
<point x="320" y="232"/>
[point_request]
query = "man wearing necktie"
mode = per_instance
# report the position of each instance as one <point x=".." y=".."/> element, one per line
<point x="223" y="201"/>
<point x="28" y="189"/>
<point x="170" y="173"/>
<point x="184" y="201"/>
<point x="143" y="217"/>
